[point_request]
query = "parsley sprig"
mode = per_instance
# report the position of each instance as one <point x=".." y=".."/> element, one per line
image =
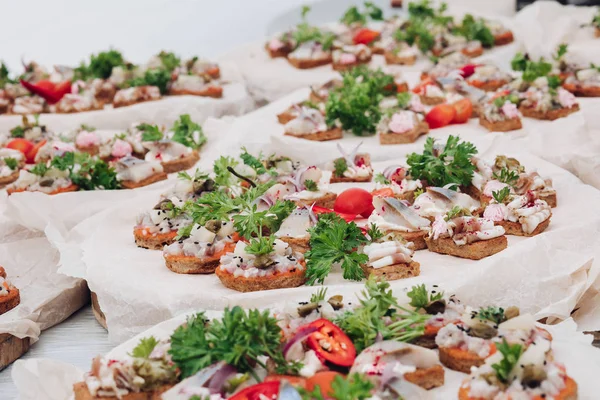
<point x="340" y="166"/>
<point x="475" y="29"/>
<point x="353" y="387"/>
<point x="100" y="66"/>
<point x="144" y="348"/>
<point x="150" y="133"/>
<point x="420" y="297"/>
<point x="492" y="314"/>
<point x="353" y="15"/>
<point x="511" y="355"/>
<point x="507" y="176"/>
<point x="381" y="179"/>
<point x="11" y="163"/>
<point x="333" y="240"/>
<point x="188" y="133"/>
<point x="501" y="195"/>
<point x="450" y="165"/>
<point x="158" y="77"/>
<point x="531" y="69"/>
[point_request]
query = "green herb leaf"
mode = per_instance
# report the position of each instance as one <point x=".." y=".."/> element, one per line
<point x="353" y="387"/>
<point x="169" y="60"/>
<point x="39" y="169"/>
<point x="11" y="163"/>
<point x="150" y="133"/>
<point x="318" y="295"/>
<point x="340" y="166"/>
<point x="404" y="99"/>
<point x="561" y="51"/>
<point x="253" y="162"/>
<point x="381" y="179"/>
<point x="374" y="233"/>
<point x="311" y="185"/>
<point x="450" y="165"/>
<point x="353" y="16"/>
<point x="333" y="240"/>
<point x="501" y="195"/>
<point x="17" y="132"/>
<point x="511" y="355"/>
<point x="224" y="178"/>
<point x="493" y="314"/>
<point x="188" y="133"/>
<point x="476" y="29"/>
<point x="144" y="347"/>
<point x="152" y="77"/>
<point x="260" y="246"/>
<point x="507" y="176"/>
<point x="420" y="297"/>
<point x="190" y="347"/>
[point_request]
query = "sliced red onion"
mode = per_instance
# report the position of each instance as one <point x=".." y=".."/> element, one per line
<point x="350" y="158"/>
<point x="220" y="378"/>
<point x="312" y="215"/>
<point x="389" y="171"/>
<point x="300" y="335"/>
<point x="293" y="180"/>
<point x="297" y="180"/>
<point x="388" y="374"/>
<point x="267" y="200"/>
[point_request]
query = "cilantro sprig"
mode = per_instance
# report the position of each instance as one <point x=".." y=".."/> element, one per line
<point x="144" y="348"/>
<point x="450" y="165"/>
<point x="420" y="297"/>
<point x="188" y="133"/>
<point x="507" y="176"/>
<point x="150" y="133"/>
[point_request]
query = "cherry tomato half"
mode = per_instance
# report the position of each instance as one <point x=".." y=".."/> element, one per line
<point x="331" y="343"/>
<point x="323" y="210"/>
<point x="365" y="36"/>
<point x="254" y="392"/>
<point x="323" y="380"/>
<point x="23" y="145"/>
<point x="463" y="111"/>
<point x="30" y="155"/>
<point x="354" y="201"/>
<point x="440" y="116"/>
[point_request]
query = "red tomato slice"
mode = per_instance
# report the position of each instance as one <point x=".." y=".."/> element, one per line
<point x="322" y="210"/>
<point x="354" y="201"/>
<point x="365" y="36"/>
<point x="322" y="380"/>
<point x="421" y="86"/>
<point x="463" y="111"/>
<point x="384" y="192"/>
<point x="23" y="145"/>
<point x="440" y="115"/>
<point x="30" y="155"/>
<point x="296" y="381"/>
<point x="254" y="392"/>
<point x="331" y="343"/>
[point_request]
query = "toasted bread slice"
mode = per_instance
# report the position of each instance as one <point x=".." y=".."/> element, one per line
<point x="290" y="279"/>
<point x="396" y="3"/>
<point x="459" y="360"/>
<point x="210" y="91"/>
<point x="515" y="228"/>
<point x="308" y="64"/>
<point x="582" y="91"/>
<point x="367" y="160"/>
<point x="71" y="188"/>
<point x="426" y="341"/>
<point x="471" y="251"/>
<point x="327" y="201"/>
<point x="488" y="86"/>
<point x="417" y="238"/>
<point x="282" y="52"/>
<point x="5" y="180"/>
<point x="549" y="115"/>
<point x="2" y="272"/>
<point x="597" y="32"/>
<point x="298" y="245"/>
<point x="427" y="378"/>
<point x="191" y="265"/>
<point x="161" y="176"/>
<point x="10" y="301"/>
<point x="512" y="124"/>
<point x="569" y="392"/>
<point x="153" y="241"/>
<point x="331" y="134"/>
<point x="82" y="392"/>
<point x="347" y="67"/>
<point x="132" y="102"/>
<point x="181" y="164"/>
<point x="402" y="138"/>
<point x="505" y="37"/>
<point x="432" y="101"/>
<point x="392" y="58"/>
<point x="393" y="272"/>
<point x="549" y="198"/>
<point x="472" y="53"/>
<point x="91" y="150"/>
<point x="285" y="117"/>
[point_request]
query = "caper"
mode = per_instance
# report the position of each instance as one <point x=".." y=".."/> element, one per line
<point x="207" y="185"/>
<point x="511" y="312"/>
<point x="533" y="376"/>
<point x="46" y="182"/>
<point x="306" y="309"/>
<point x="263" y="261"/>
<point x="213" y="225"/>
<point x="435" y="307"/>
<point x="164" y="205"/>
<point x="483" y="330"/>
<point x="336" y="301"/>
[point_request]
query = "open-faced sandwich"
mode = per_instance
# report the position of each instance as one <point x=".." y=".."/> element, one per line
<point x="501" y="115"/>
<point x="310" y="54"/>
<point x="158" y="227"/>
<point x="352" y="167"/>
<point x="135" y="95"/>
<point x="43" y="178"/>
<point x="584" y="82"/>
<point x="461" y="235"/>
<point x="320" y="93"/>
<point x="502" y="34"/>
<point x="519" y="215"/>
<point x="31" y="130"/>
<point x="295" y="109"/>
<point x="190" y="84"/>
<point x="350" y="56"/>
<point x="488" y="77"/>
<point x="310" y="124"/>
<point x="401" y="54"/>
<point x="77" y="102"/>
<point x="401" y="127"/>
<point x="437" y="201"/>
<point x="9" y="295"/>
<point x="430" y="92"/>
<point x="10" y="163"/>
<point x="390" y="258"/>
<point x="281" y="45"/>
<point x="394" y="181"/>
<point x="134" y="173"/>
<point x="294" y="229"/>
<point x="548" y="104"/>
<point x="308" y="186"/>
<point x="394" y="219"/>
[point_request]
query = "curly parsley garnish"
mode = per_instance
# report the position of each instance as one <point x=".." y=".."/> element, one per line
<point x="404" y="99"/>
<point x="224" y="178"/>
<point x="150" y="133"/>
<point x="507" y="176"/>
<point x="311" y="185"/>
<point x="100" y="66"/>
<point x="374" y="233"/>
<point x="340" y="166"/>
<point x="11" y="163"/>
<point x="188" y="133"/>
<point x="333" y="240"/>
<point x="352" y="387"/>
<point x="353" y="15"/>
<point x="531" y="69"/>
<point x="511" y="355"/>
<point x="476" y="29"/>
<point x="158" y="77"/>
<point x="420" y="297"/>
<point x="452" y="164"/>
<point x="501" y="195"/>
<point x="381" y="179"/>
<point x="169" y="60"/>
<point x="144" y="347"/>
<point x="260" y="246"/>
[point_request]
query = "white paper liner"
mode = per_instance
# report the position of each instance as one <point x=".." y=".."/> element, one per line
<point x="42" y="379"/>
<point x="235" y="101"/>
<point x="47" y="298"/>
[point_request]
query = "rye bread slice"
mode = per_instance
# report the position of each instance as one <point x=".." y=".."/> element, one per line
<point x="471" y="251"/>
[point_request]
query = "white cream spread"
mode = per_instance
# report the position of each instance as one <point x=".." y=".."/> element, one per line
<point x="465" y="230"/>
<point x="388" y="253"/>
<point x="240" y="263"/>
<point x="136" y="170"/>
<point x="165" y="151"/>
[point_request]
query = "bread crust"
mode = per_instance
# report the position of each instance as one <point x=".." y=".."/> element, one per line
<point x="568" y="393"/>
<point x="181" y="164"/>
<point x="308" y="64"/>
<point x="275" y="281"/>
<point x="549" y="198"/>
<point x="327" y="201"/>
<point x="2" y="272"/>
<point x="161" y="176"/>
<point x="472" y="251"/>
<point x="403" y="138"/>
<point x="130" y="103"/>
<point x="516" y="229"/>
<point x="5" y="180"/>
<point x="597" y="32"/>
<point x="82" y="392"/>
<point x="346" y="67"/>
<point x="472" y="53"/>
<point x="282" y="52"/>
<point x="488" y="86"/>
<point x="549" y="115"/>
<point x="582" y="91"/>
<point x="396" y="3"/>
<point x="459" y="360"/>
<point x="394" y="272"/>
<point x="432" y="101"/>
<point x="210" y="91"/>
<point x="10" y="301"/>
<point x="285" y="117"/>
<point x="395" y="59"/>
<point x="298" y="245"/>
<point x="367" y="160"/>
<point x="427" y="378"/>
<point x="183" y="264"/>
<point x="71" y="188"/>
<point x="504" y="38"/>
<point x="512" y="124"/>
<point x="331" y="134"/>
<point x="417" y="238"/>
<point x="153" y="241"/>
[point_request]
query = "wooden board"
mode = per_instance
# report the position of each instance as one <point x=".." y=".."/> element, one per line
<point x="11" y="348"/>
<point x="97" y="311"/>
